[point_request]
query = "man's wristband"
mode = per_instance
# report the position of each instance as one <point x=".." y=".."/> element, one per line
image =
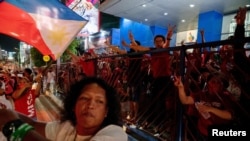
<point x="10" y="127"/>
<point x="169" y="39"/>
<point x="20" y="133"/>
<point x="16" y="130"/>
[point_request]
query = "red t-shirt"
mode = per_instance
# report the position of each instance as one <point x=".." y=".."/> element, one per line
<point x="223" y="102"/>
<point x="161" y="65"/>
<point x="9" y="87"/>
<point x="26" y="104"/>
<point x="88" y="67"/>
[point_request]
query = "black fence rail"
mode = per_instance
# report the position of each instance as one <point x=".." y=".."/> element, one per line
<point x="150" y="106"/>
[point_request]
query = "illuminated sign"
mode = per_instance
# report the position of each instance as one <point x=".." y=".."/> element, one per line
<point x="88" y="9"/>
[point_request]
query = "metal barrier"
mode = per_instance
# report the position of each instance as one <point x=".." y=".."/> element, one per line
<point x="161" y="115"/>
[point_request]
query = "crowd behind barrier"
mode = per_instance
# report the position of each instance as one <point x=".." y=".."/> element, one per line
<point x="114" y="68"/>
<point x="211" y="85"/>
<point x="137" y="106"/>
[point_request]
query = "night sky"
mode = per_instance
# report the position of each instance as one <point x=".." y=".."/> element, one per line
<point x="8" y="43"/>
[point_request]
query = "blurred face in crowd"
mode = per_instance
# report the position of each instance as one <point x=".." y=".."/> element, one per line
<point x="91" y="109"/>
<point x="215" y="85"/>
<point x="159" y="42"/>
<point x="226" y="51"/>
<point x="4" y="77"/>
<point x="22" y="81"/>
<point x="26" y="74"/>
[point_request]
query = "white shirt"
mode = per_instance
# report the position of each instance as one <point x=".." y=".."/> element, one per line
<point x="51" y="77"/>
<point x="6" y="102"/>
<point x="8" y="105"/>
<point x="57" y="131"/>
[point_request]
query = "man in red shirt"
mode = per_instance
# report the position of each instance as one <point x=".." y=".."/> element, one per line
<point x="161" y="71"/>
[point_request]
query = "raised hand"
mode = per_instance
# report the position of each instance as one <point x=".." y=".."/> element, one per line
<point x="169" y="35"/>
<point x="131" y="38"/>
<point x="130" y="35"/>
<point x="177" y="81"/>
<point x="125" y="44"/>
<point x="170" y="31"/>
<point x="74" y="58"/>
<point x="107" y="42"/>
<point x="241" y="16"/>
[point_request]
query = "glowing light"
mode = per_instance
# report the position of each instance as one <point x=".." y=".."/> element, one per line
<point x="191" y="5"/>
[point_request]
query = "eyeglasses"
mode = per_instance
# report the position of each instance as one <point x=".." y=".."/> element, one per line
<point x="158" y="41"/>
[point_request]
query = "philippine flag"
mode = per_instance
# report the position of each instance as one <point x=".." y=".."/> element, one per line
<point x="48" y="25"/>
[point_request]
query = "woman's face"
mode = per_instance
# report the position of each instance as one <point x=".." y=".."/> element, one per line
<point x="215" y="85"/>
<point x="91" y="109"/>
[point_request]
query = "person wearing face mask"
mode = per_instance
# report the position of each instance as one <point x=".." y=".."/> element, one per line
<point x="91" y="113"/>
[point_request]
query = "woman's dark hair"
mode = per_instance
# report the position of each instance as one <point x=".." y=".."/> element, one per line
<point x="223" y="79"/>
<point x="113" y="103"/>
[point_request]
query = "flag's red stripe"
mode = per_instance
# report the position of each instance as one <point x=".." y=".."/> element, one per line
<point x="19" y="24"/>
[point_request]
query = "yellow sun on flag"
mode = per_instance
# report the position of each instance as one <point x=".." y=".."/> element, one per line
<point x="58" y="36"/>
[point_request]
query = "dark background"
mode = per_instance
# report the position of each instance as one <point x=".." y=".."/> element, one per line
<point x="8" y="43"/>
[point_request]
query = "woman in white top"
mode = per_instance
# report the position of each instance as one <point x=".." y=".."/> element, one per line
<point x="91" y="113"/>
<point x="4" y="104"/>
